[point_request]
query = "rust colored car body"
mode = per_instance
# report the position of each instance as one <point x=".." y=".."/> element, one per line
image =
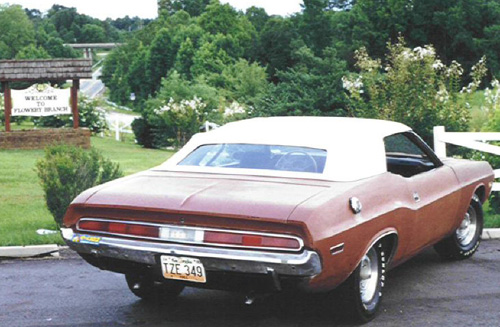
<point x="374" y="196"/>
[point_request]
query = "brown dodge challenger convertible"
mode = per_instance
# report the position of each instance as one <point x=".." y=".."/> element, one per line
<point x="271" y="204"/>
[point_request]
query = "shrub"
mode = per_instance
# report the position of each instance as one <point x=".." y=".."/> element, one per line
<point x="66" y="171"/>
<point x="142" y="132"/>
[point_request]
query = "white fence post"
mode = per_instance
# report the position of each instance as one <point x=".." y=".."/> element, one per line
<point x="117" y="129"/>
<point x="439" y="145"/>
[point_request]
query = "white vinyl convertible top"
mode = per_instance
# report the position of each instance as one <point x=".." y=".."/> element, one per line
<point x="355" y="147"/>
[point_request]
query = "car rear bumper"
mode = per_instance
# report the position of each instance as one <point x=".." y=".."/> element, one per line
<point x="304" y="264"/>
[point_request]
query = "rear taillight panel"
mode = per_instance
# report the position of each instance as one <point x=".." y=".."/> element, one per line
<point x="192" y="235"/>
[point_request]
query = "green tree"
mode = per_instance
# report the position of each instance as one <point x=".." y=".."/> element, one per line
<point x="341" y="4"/>
<point x="184" y="58"/>
<point x="160" y="58"/>
<point x="115" y="71"/>
<point x="315" y="25"/>
<point x="276" y="45"/>
<point x="32" y="52"/>
<point x="56" y="49"/>
<point x="92" y="34"/>
<point x="137" y="76"/>
<point x="257" y="16"/>
<point x="210" y="60"/>
<point x="219" y="18"/>
<point x="193" y="7"/>
<point x="311" y="87"/>
<point x="244" y="82"/>
<point x="16" y="31"/>
<point x="233" y="30"/>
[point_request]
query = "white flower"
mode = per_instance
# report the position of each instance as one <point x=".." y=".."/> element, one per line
<point x="437" y="65"/>
<point x="195" y="105"/>
<point x="353" y="86"/>
<point x="442" y="95"/>
<point x="427" y="51"/>
<point x="455" y="69"/>
<point x="408" y="55"/>
<point x="234" y="109"/>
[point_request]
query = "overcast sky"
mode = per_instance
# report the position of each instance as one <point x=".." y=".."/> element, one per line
<point x="148" y="8"/>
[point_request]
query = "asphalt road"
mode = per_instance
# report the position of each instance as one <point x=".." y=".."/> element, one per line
<point x="92" y="87"/>
<point x="422" y="292"/>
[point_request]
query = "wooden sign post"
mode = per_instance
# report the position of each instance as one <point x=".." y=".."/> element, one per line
<point x="7" y="103"/>
<point x="74" y="102"/>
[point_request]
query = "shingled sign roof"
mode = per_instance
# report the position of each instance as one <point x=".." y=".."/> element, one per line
<point x="45" y="69"/>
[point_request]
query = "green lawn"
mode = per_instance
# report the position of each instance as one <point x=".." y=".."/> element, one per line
<point x="22" y="206"/>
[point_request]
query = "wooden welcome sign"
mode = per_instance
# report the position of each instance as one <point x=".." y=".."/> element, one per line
<point x="42" y="99"/>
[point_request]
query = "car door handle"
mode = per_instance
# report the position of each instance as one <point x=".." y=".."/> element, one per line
<point x="416" y="196"/>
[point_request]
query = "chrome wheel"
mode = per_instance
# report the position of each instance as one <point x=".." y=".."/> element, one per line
<point x="464" y="242"/>
<point x="369" y="276"/>
<point x="467" y="230"/>
<point x="361" y="294"/>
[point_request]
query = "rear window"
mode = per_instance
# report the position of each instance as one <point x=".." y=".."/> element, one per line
<point x="258" y="156"/>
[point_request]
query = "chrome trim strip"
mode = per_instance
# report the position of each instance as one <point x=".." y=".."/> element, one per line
<point x="299" y="240"/>
<point x="306" y="263"/>
<point x="337" y="249"/>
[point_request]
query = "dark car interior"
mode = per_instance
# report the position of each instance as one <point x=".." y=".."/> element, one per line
<point x="258" y="156"/>
<point x="407" y="155"/>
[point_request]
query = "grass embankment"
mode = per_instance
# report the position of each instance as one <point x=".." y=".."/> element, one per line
<point x="22" y="205"/>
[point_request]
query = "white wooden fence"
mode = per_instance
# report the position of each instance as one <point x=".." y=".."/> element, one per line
<point x="120" y="123"/>
<point x="475" y="141"/>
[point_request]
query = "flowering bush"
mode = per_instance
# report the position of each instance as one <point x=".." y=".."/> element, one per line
<point x="184" y="118"/>
<point x="413" y="87"/>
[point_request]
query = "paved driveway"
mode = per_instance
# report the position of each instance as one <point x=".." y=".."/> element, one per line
<point x="423" y="292"/>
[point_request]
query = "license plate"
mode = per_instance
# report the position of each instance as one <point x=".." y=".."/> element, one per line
<point x="187" y="269"/>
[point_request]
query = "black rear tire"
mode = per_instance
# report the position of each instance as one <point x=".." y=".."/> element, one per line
<point x="464" y="242"/>
<point x="360" y="295"/>
<point x="148" y="289"/>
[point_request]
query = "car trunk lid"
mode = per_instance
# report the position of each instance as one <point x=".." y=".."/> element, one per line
<point x="244" y="197"/>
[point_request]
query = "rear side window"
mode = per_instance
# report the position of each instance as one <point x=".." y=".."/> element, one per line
<point x="407" y="156"/>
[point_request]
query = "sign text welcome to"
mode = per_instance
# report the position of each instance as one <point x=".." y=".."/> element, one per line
<point x="41" y="100"/>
